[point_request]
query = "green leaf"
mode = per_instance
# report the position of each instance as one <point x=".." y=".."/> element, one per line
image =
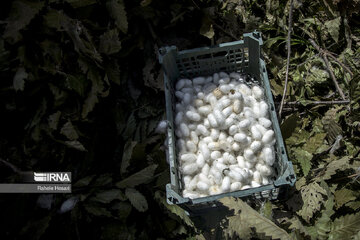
<point x="138" y="178"/>
<point x="312" y="197"/>
<point x="207" y="29"/>
<point x="304" y="158"/>
<point x="247" y="217"/>
<point x="77" y="83"/>
<point x="109" y="42"/>
<point x="19" y="79"/>
<point x="90" y="102"/>
<point x="117" y="11"/>
<point x="136" y="199"/>
<point x="127" y="152"/>
<point x="174" y="209"/>
<point x="314" y="142"/>
<point x="75" y="145"/>
<point x="80" y="3"/>
<point x="345" y="227"/>
<point x="333" y="27"/>
<point x="53" y="120"/>
<point x="343" y="196"/>
<point x="289" y="124"/>
<point x="69" y="131"/>
<point x="122" y="209"/>
<point x="353" y="205"/>
<point x="324" y="223"/>
<point x="335" y="165"/>
<point x="109" y="195"/>
<point x="21" y="14"/>
<point x="97" y="210"/>
<point x="296" y="224"/>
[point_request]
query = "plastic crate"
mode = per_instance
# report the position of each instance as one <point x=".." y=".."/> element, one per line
<point x="239" y="56"/>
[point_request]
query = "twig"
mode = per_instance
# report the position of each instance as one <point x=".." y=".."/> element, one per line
<point x="324" y="56"/>
<point x="288" y="57"/>
<point x="318" y="102"/>
<point x="11" y="166"/>
<point x="340" y="63"/>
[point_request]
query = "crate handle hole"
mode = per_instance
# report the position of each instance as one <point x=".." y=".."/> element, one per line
<point x="272" y="107"/>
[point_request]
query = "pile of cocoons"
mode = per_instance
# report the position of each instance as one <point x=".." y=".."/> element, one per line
<point x="225" y="141"/>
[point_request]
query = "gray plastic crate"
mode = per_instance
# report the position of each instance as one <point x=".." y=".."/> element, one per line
<point x="239" y="56"/>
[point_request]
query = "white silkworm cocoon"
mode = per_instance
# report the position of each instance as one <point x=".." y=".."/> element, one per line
<point x="257" y="177"/>
<point x="189" y="169"/>
<point x="241" y="161"/>
<point x="264" y="122"/>
<point x="229" y="158"/>
<point x="219" y="117"/>
<point x="215" y="155"/>
<point x="261" y="129"/>
<point x="233" y="130"/>
<point x="179" y="118"/>
<point x="216" y="78"/>
<point x="190" y="194"/>
<point x="181" y="145"/>
<point x="224" y="80"/>
<point x="188" y="157"/>
<point x="207" y="140"/>
<point x="237" y="176"/>
<point x="230" y="140"/>
<point x="249" y="155"/>
<point x="161" y="127"/>
<point x="265" y="170"/>
<point x="188" y="90"/>
<point x="227" y="111"/>
<point x="201" y="129"/>
<point x="214" y="190"/>
<point x="202" y="186"/>
<point x="187" y="98"/>
<point x="268" y="155"/>
<point x="217" y="93"/>
<point x="245" y="187"/>
<point x="219" y="165"/>
<point x="179" y="95"/>
<point x="237" y="106"/>
<point x="222" y="136"/>
<point x="215" y="175"/>
<point x="235" y="75"/>
<point x="180" y="84"/>
<point x="214" y="134"/>
<point x="255" y="146"/>
<point x="225" y="185"/>
<point x="204" y="150"/>
<point x="205" y="110"/>
<point x="179" y="107"/>
<point x="200" y="161"/>
<point x="256" y="110"/>
<point x="244" y="89"/>
<point x="209" y="79"/>
<point x="212" y="120"/>
<point x="200" y="95"/>
<point x="235" y="186"/>
<point x="178" y="133"/>
<point x="184" y="130"/>
<point x="255" y="133"/>
<point x="213" y="101"/>
<point x="264" y="109"/>
<point x="268" y="136"/>
<point x="255" y="184"/>
<point x="186" y="180"/>
<point x="244" y="124"/>
<point x="265" y="181"/>
<point x="191" y="146"/>
<point x="197" y="88"/>
<point x="193" y="182"/>
<point x="206" y="169"/>
<point x="240" y="137"/>
<point x="223" y="75"/>
<point x="194" y="137"/>
<point x="199" y="103"/>
<point x="257" y="92"/>
<point x="210" y="87"/>
<point x="192" y="126"/>
<point x="223" y="103"/>
<point x="206" y="123"/>
<point x="233" y="95"/>
<point x="224" y="88"/>
<point x="228" y="122"/>
<point x="249" y="164"/>
<point x="193" y="116"/>
<point x="204" y="178"/>
<point x="199" y="81"/>
<point x="248" y="112"/>
<point x="188" y="83"/>
<point x="235" y="147"/>
<point x="213" y="146"/>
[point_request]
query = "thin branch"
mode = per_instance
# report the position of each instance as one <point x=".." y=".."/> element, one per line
<point x="318" y="102"/>
<point x="288" y="57"/>
<point x="340" y="63"/>
<point x="324" y="56"/>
